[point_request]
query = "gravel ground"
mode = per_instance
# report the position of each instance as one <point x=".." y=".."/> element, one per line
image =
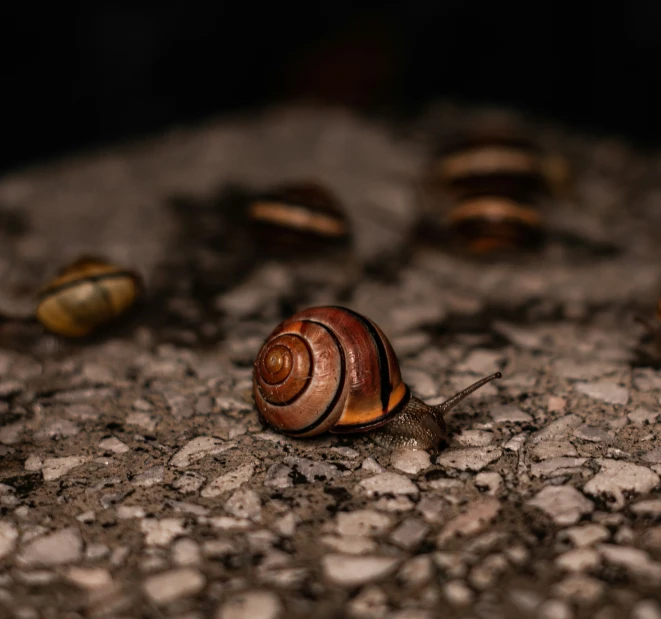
<point x="136" y="480"/>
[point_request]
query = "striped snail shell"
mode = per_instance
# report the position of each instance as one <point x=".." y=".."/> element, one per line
<point x="493" y="223"/>
<point x="332" y="369"/>
<point x="85" y="295"/>
<point x="298" y="217"/>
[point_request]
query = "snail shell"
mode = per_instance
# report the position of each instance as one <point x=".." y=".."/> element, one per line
<point x="298" y="217"/>
<point x="332" y="369"/>
<point x="86" y="295"/>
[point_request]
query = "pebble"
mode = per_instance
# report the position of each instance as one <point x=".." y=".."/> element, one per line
<point x="370" y="603"/>
<point x="420" y="383"/>
<point x="558" y="429"/>
<point x="646" y="609"/>
<point x="591" y="434"/>
<point x="409" y="534"/>
<point x="56" y="430"/>
<point x="245" y="504"/>
<point x="564" y="504"/>
<point x="606" y="391"/>
<point x="371" y="466"/>
<point x="474" y="438"/>
<point x="579" y="560"/>
<point x="653" y="456"/>
<point x="585" y="535"/>
<point x="152" y="476"/>
<point x="487" y="573"/>
<point x="489" y="481"/>
<point x="54" y="468"/>
<point x="90" y="577"/>
<point x="411" y="461"/>
<point x="162" y="532"/>
<point x="173" y="585"/>
<point x="556" y="466"/>
<point x="312" y="470"/>
<point x="229" y="481"/>
<point x="470" y="459"/>
<point x="190" y="482"/>
<point x="616" y="477"/>
<point x="354" y="571"/>
<point x="509" y="414"/>
<point x="651" y="507"/>
<point x="349" y="544"/>
<point x="8" y="537"/>
<point x="580" y="589"/>
<point x="553" y="449"/>
<point x="143" y="420"/>
<point x="58" y="548"/>
<point x="417" y="571"/>
<point x="636" y="562"/>
<point x="481" y="361"/>
<point x="642" y="416"/>
<point x="475" y="518"/>
<point x="278" y="476"/>
<point x="554" y="609"/>
<point x="458" y="593"/>
<point x="251" y="605"/>
<point x="389" y="484"/>
<point x="197" y="449"/>
<point x="185" y="552"/>
<point x="113" y="445"/>
<point x="516" y="442"/>
<point x="362" y="522"/>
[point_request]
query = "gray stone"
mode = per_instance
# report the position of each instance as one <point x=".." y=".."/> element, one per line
<point x="353" y="571"/>
<point x="553" y="449"/>
<point x="642" y="416"/>
<point x="162" y="532"/>
<point x="8" y="537"/>
<point x="56" y="430"/>
<point x="229" y="481"/>
<point x="474" y="438"/>
<point x="564" y="504"/>
<point x="509" y="414"/>
<point x="556" y="466"/>
<point x="54" y="468"/>
<point x="362" y="522"/>
<point x="470" y="459"/>
<point x="616" y="477"/>
<point x="475" y="518"/>
<point x="606" y="391"/>
<point x="389" y="484"/>
<point x="580" y="589"/>
<point x="174" y="585"/>
<point x="579" y="560"/>
<point x="585" y="535"/>
<point x="489" y="481"/>
<point x="646" y="609"/>
<point x="592" y="434"/>
<point x="312" y="470"/>
<point x="637" y="562"/>
<point x="651" y="507"/>
<point x="409" y="534"/>
<point x="245" y="504"/>
<point x="458" y="593"/>
<point x="90" y="578"/>
<point x="197" y="449"/>
<point x="251" y="605"/>
<point x="411" y="461"/>
<point x="58" y="548"/>
<point x="113" y="445"/>
<point x="558" y="429"/>
<point x="152" y="476"/>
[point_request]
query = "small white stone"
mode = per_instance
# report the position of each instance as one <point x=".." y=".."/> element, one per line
<point x="251" y="605"/>
<point x="363" y="522"/>
<point x="579" y="560"/>
<point x="554" y="609"/>
<point x="114" y="445"/>
<point x="54" y="468"/>
<point x="486" y="574"/>
<point x="475" y="518"/>
<point x="646" y="609"/>
<point x="651" y="507"/>
<point x="229" y="481"/>
<point x="509" y="414"/>
<point x="90" y="577"/>
<point x="197" y="449"/>
<point x="286" y="525"/>
<point x="580" y="589"/>
<point x="33" y="463"/>
<point x="636" y="562"/>
<point x="474" y="438"/>
<point x="8" y="537"/>
<point x="144" y="420"/>
<point x="409" y="534"/>
<point x="173" y="585"/>
<point x="127" y="512"/>
<point x="186" y="551"/>
<point x="417" y="571"/>
<point x="606" y="391"/>
<point x="149" y="477"/>
<point x="470" y="459"/>
<point x="616" y="477"/>
<point x="162" y="532"/>
<point x="516" y="443"/>
<point x="245" y="504"/>
<point x="353" y="571"/>
<point x="642" y="416"/>
<point x="349" y="544"/>
<point x="58" y="548"/>
<point x="558" y="428"/>
<point x="591" y="434"/>
<point x="585" y="535"/>
<point x="371" y="466"/>
<point x="564" y="504"/>
<point x="556" y="466"/>
<point x="553" y="449"/>
<point x="457" y="593"/>
<point x="411" y="461"/>
<point x="86" y="517"/>
<point x="489" y="481"/>
<point x="389" y="483"/>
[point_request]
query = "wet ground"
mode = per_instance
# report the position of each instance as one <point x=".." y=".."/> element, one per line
<point x="137" y="481"/>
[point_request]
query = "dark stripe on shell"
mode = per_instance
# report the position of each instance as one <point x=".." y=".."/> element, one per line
<point x="338" y="392"/>
<point x="88" y="278"/>
<point x="382" y="357"/>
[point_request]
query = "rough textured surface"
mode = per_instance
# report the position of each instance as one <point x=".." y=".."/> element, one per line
<point x="136" y="479"/>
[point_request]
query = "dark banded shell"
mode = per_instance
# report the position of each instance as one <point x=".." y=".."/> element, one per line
<point x="85" y="295"/>
<point x="493" y="223"/>
<point x="298" y="218"/>
<point x="327" y="369"/>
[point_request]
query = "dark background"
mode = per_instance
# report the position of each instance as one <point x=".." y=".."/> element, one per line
<point x="80" y="76"/>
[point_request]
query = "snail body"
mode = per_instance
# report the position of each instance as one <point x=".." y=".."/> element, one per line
<point x="85" y="295"/>
<point x="330" y="369"/>
<point x="297" y="218"/>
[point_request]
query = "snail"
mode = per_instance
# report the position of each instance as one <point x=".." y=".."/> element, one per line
<point x="331" y="369"/>
<point x="85" y="295"/>
<point x="298" y="217"/>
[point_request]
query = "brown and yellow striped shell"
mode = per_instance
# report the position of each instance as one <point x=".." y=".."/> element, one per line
<point x="85" y="295"/>
<point x="298" y="217"/>
<point x="328" y="369"/>
<point x="491" y="223"/>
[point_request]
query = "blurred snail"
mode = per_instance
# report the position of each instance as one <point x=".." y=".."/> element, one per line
<point x="85" y="295"/>
<point x="332" y="369"/>
<point x="295" y="218"/>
